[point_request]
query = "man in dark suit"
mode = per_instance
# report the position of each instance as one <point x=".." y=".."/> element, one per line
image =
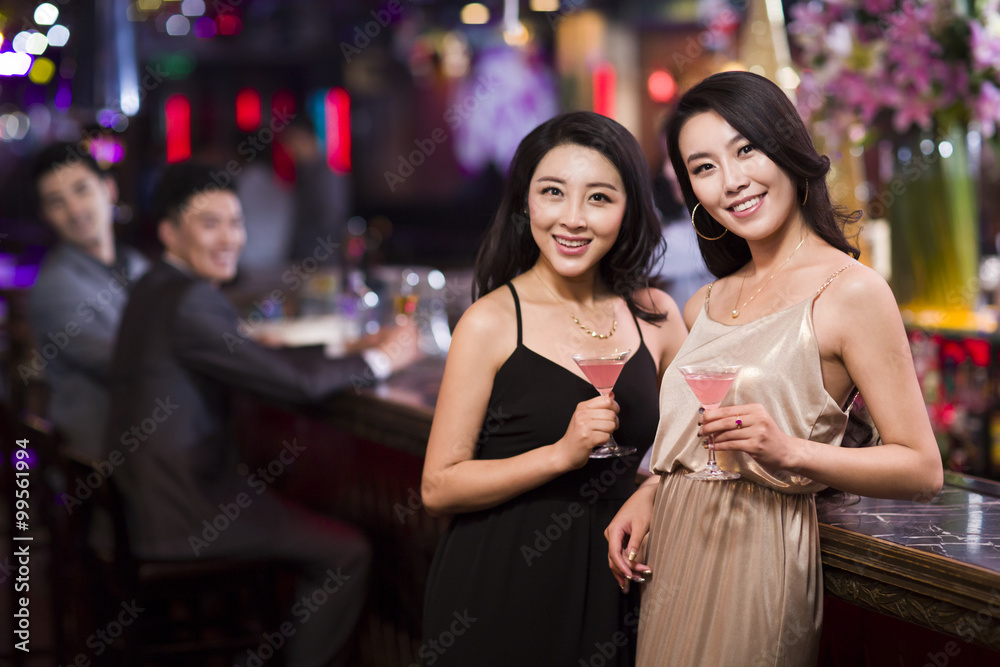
<point x="180" y="355"/>
<point x="77" y="301"/>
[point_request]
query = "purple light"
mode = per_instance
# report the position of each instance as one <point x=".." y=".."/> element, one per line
<point x="107" y="117"/>
<point x="64" y="95"/>
<point x="204" y="28"/>
<point x="25" y="276"/>
<point x="14" y="275"/>
<point x="107" y="150"/>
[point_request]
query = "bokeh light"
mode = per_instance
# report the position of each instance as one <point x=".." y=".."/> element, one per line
<point x="475" y="13"/>
<point x="36" y="44"/>
<point x="204" y="28"/>
<point x="14" y="64"/>
<point x="178" y="25"/>
<point x="662" y="87"/>
<point x="58" y="35"/>
<point x="20" y="41"/>
<point x="42" y="71"/>
<point x="229" y="24"/>
<point x="46" y="14"/>
<point x="193" y="8"/>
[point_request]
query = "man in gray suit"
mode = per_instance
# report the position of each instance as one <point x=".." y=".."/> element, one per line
<point x="77" y="302"/>
<point x="180" y="355"/>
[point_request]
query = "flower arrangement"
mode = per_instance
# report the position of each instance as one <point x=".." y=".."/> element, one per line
<point x="917" y="62"/>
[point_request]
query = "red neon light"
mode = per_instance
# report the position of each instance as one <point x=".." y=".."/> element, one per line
<point x="177" y="112"/>
<point x="337" y="109"/>
<point x="248" y="110"/>
<point x="605" y="82"/>
<point x="229" y="24"/>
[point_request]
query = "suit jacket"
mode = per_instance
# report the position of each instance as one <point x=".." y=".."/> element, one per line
<point x="74" y="308"/>
<point x="179" y="357"/>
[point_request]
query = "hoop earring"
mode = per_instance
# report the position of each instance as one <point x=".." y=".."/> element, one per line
<point x="707" y="238"/>
<point x="806" y="198"/>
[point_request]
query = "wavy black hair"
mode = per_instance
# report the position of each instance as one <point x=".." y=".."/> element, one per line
<point x="509" y="249"/>
<point x="761" y="112"/>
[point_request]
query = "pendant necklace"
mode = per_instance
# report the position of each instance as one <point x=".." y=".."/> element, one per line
<point x="736" y="311"/>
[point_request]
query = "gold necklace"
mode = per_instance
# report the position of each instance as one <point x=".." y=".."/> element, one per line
<point x="591" y="332"/>
<point x="736" y="311"/>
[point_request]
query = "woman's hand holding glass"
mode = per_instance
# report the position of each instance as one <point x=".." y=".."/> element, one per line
<point x="591" y="425"/>
<point x="626" y="534"/>
<point x="751" y="429"/>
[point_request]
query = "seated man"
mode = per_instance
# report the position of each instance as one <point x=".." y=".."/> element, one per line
<point x="77" y="302"/>
<point x="179" y="357"/>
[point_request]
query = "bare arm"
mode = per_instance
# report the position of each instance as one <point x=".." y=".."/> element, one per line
<point x="453" y="481"/>
<point x="866" y="333"/>
<point x="663" y="338"/>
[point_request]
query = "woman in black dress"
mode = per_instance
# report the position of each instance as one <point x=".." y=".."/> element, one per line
<point x="520" y="577"/>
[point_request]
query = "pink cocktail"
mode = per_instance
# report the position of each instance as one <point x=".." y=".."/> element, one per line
<point x="603" y="371"/>
<point x="710" y="385"/>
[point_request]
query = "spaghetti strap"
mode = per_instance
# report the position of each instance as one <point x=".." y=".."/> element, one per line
<point x="517" y="309"/>
<point x="708" y="293"/>
<point x="637" y="327"/>
<point x="831" y="279"/>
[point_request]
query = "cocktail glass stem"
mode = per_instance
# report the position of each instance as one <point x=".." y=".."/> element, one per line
<point x="602" y="371"/>
<point x="610" y="448"/>
<point x="710" y="384"/>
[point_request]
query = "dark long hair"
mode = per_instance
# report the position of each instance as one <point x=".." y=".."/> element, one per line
<point x="509" y="249"/>
<point x="761" y="112"/>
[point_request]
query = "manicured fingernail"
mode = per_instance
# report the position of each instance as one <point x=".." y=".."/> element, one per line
<point x="701" y="411"/>
<point x="638" y="580"/>
<point x="632" y="554"/>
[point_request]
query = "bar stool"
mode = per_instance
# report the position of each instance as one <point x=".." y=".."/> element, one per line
<point x="205" y="611"/>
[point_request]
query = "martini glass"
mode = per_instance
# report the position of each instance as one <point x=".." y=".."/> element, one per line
<point x="710" y="385"/>
<point x="603" y="370"/>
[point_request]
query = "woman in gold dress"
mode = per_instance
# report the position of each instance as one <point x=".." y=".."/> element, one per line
<point x="733" y="567"/>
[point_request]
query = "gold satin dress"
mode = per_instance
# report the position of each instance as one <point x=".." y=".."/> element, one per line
<point x="737" y="580"/>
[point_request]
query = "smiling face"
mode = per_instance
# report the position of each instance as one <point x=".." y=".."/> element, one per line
<point x="208" y="235"/>
<point x="78" y="203"/>
<point x="736" y="183"/>
<point x="576" y="202"/>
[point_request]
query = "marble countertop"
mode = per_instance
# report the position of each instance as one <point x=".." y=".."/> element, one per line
<point x="962" y="522"/>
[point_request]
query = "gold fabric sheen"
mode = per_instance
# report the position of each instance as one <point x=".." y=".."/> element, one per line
<point x="736" y="565"/>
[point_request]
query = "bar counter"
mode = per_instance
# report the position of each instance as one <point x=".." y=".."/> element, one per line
<point x="906" y="582"/>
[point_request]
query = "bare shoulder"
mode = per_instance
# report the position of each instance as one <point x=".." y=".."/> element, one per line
<point x="860" y="291"/>
<point x="858" y="304"/>
<point x="695" y="305"/>
<point x="488" y="328"/>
